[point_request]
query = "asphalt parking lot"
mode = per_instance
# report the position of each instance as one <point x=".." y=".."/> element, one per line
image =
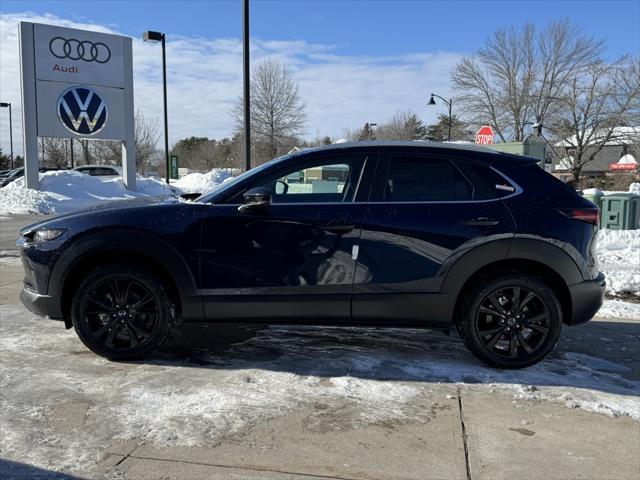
<point x="309" y="403"/>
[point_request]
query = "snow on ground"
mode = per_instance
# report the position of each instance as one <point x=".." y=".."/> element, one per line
<point x="63" y="191"/>
<point x="197" y="396"/>
<point x="619" y="309"/>
<point x="618" y="253"/>
<point x="203" y="182"/>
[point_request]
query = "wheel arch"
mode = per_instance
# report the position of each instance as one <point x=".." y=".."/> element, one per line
<point x="128" y="247"/>
<point x="536" y="257"/>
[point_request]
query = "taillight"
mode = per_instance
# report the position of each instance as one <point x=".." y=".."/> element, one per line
<point x="589" y="215"/>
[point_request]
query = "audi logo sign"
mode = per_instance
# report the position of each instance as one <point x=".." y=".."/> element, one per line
<point x="75" y="49"/>
<point x="78" y="57"/>
<point x="82" y="111"/>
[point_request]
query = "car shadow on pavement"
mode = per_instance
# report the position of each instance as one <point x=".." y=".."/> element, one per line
<point x="15" y="470"/>
<point x="596" y="355"/>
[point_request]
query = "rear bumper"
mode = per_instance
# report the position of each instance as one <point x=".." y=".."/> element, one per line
<point x="40" y="304"/>
<point x="586" y="299"/>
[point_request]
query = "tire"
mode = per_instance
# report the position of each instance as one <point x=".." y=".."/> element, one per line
<point x="511" y="321"/>
<point x="121" y="313"/>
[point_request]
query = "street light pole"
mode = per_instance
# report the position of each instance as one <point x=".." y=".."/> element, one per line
<point x="449" y="104"/>
<point x="8" y="104"/>
<point x="166" y="117"/>
<point x="151" y="36"/>
<point x="246" y="80"/>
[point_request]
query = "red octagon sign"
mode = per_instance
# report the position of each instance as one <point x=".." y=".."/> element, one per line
<point x="484" y="135"/>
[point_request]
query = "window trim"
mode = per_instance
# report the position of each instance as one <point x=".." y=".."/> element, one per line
<point x="302" y="165"/>
<point x="385" y="160"/>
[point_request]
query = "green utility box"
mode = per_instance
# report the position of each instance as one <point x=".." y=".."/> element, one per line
<point x="620" y="211"/>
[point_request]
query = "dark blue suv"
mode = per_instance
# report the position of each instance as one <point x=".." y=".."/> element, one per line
<point x="390" y="234"/>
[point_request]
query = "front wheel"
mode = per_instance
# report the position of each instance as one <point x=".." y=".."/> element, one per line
<point x="121" y="313"/>
<point x="511" y="322"/>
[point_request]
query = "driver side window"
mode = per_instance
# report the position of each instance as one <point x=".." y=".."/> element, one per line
<point x="323" y="182"/>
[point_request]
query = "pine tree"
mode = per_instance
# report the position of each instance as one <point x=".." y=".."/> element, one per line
<point x="439" y="131"/>
<point x="366" y="133"/>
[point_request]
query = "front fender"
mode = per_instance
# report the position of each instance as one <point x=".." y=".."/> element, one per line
<point x="137" y="242"/>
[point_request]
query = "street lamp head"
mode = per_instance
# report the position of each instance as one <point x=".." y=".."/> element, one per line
<point x="432" y="101"/>
<point x="150" y="36"/>
<point x="5" y="104"/>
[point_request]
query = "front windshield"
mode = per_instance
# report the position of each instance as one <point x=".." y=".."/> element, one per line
<point x="235" y="181"/>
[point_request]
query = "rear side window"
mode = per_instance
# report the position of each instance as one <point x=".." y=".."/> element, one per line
<point x="421" y="179"/>
<point x="487" y="183"/>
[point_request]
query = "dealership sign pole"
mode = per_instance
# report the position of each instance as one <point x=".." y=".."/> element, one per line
<point x="76" y="84"/>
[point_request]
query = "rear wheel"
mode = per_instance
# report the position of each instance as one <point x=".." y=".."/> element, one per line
<point x="121" y="313"/>
<point x="511" y="322"/>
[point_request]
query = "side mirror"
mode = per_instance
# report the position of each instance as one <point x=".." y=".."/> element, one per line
<point x="255" y="199"/>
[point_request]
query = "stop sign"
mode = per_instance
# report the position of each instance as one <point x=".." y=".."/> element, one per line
<point x="484" y="135"/>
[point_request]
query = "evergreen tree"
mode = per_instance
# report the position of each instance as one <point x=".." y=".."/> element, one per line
<point x="439" y="131"/>
<point x="366" y="133"/>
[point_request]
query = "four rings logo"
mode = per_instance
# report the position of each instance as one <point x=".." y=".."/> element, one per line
<point x="82" y="111"/>
<point x="74" y="49"/>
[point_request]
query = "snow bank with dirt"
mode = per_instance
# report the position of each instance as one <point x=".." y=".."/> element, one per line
<point x="618" y="253"/>
<point x="203" y="182"/>
<point x="63" y="191"/>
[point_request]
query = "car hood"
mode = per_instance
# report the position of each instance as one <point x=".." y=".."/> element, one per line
<point x="113" y="205"/>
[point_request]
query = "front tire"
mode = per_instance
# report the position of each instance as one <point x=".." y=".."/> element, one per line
<point x="121" y="313"/>
<point x="512" y="321"/>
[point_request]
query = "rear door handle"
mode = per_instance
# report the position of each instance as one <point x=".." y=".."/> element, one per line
<point x="481" y="222"/>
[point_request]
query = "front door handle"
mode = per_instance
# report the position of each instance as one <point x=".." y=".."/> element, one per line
<point x="481" y="222"/>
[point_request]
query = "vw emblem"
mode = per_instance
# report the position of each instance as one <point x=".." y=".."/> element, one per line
<point x="82" y="111"/>
<point x="74" y="49"/>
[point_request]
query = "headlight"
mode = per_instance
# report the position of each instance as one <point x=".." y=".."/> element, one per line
<point x="47" y="234"/>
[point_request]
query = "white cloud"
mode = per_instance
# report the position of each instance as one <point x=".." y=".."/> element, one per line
<point x="205" y="80"/>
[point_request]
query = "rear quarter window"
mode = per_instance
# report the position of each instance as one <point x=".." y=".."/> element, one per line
<point x="487" y="183"/>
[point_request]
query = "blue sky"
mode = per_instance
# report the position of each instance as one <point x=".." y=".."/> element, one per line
<point x="373" y="27"/>
<point x="354" y="61"/>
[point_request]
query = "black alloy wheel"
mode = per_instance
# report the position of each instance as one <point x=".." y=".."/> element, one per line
<point x="512" y="322"/>
<point x="120" y="313"/>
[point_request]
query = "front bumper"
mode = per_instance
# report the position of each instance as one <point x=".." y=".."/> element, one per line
<point x="42" y="305"/>
<point x="586" y="299"/>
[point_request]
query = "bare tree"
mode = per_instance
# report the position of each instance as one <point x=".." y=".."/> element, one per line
<point x="277" y="112"/>
<point x="146" y="136"/>
<point x="55" y="150"/>
<point x="402" y="126"/>
<point x="516" y="78"/>
<point x="597" y="108"/>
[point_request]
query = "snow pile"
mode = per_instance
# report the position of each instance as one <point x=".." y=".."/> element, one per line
<point x="64" y="191"/>
<point x="618" y="253"/>
<point x="203" y="182"/>
<point x="634" y="188"/>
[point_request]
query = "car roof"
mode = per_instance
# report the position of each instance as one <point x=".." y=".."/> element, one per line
<point x="404" y="143"/>
<point x="97" y="166"/>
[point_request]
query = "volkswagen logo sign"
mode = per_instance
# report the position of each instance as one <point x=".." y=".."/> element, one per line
<point x="75" y="49"/>
<point x="82" y="111"/>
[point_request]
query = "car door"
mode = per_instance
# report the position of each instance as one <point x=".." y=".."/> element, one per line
<point x="424" y="212"/>
<point x="293" y="260"/>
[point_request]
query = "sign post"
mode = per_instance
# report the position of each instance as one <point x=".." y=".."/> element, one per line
<point x="76" y="84"/>
<point x="484" y="135"/>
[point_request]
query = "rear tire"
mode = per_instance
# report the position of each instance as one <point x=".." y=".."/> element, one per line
<point x="512" y="321"/>
<point x="121" y="313"/>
